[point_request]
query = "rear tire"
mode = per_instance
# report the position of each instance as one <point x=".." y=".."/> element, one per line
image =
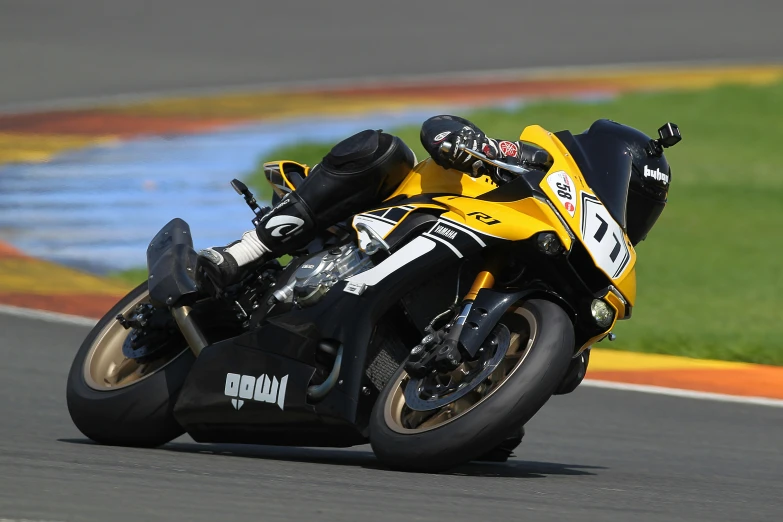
<point x="485" y="425"/>
<point x="138" y="413"/>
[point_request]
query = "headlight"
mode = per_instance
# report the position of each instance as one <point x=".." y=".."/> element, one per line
<point x="603" y="314"/>
<point x="548" y="243"/>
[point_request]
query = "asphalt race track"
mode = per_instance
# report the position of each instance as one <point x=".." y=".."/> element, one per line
<point x="595" y="455"/>
<point x="86" y="48"/>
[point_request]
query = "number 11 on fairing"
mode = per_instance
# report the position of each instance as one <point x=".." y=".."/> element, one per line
<point x="603" y="237"/>
<point x="601" y="232"/>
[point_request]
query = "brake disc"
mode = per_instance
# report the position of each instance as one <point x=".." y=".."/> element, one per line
<point x="418" y="395"/>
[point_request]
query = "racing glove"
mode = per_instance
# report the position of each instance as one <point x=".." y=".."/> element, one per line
<point x="512" y="152"/>
<point x="457" y="159"/>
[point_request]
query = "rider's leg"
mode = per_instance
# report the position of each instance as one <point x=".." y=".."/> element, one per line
<point x="358" y="172"/>
<point x="288" y="226"/>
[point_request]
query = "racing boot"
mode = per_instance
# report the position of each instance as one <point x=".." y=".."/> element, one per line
<point x="219" y="267"/>
<point x="285" y="228"/>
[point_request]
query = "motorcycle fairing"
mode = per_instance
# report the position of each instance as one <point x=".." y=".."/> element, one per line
<point x="285" y="345"/>
<point x="531" y="206"/>
<point x="489" y="219"/>
<point x="583" y="223"/>
<point x="382" y="221"/>
<point x="519" y="210"/>
<point x="429" y="178"/>
<point x="509" y="220"/>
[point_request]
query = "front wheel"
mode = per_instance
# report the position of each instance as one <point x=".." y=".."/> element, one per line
<point x="440" y="421"/>
<point x="120" y="401"/>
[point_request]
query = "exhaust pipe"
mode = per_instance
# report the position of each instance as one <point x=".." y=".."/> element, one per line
<point x="317" y="392"/>
<point x="190" y="330"/>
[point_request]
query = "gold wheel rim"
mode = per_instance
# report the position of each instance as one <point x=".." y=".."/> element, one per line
<point x="106" y="368"/>
<point x="401" y="419"/>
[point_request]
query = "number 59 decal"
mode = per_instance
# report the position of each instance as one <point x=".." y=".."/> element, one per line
<point x="603" y="237"/>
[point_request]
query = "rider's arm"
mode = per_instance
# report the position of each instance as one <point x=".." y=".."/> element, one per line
<point x="455" y="130"/>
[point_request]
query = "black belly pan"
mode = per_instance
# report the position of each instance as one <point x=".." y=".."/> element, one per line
<point x="238" y="392"/>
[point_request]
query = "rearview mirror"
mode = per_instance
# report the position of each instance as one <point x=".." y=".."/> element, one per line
<point x="239" y="187"/>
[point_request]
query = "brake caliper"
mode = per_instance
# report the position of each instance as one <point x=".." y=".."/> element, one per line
<point x="436" y="352"/>
<point x="419" y="362"/>
<point x="150" y="332"/>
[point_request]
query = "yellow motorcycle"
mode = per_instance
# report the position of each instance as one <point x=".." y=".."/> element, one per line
<point x="434" y="326"/>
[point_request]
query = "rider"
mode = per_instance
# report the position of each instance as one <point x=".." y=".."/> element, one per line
<point x="359" y="172"/>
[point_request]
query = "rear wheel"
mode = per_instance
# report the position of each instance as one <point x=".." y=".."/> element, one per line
<point x="116" y="400"/>
<point x="443" y="420"/>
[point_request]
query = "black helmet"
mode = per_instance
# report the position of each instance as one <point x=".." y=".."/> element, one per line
<point x="628" y="171"/>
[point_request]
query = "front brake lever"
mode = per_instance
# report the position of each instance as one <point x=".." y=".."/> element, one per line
<point x="515" y="169"/>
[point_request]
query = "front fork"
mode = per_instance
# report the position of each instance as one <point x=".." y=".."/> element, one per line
<point x="443" y="352"/>
<point x="484" y="279"/>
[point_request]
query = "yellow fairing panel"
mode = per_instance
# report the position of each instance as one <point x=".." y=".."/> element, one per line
<point x="603" y="238"/>
<point x="430" y="178"/>
<point x="563" y="184"/>
<point x="618" y="305"/>
<point x="513" y="221"/>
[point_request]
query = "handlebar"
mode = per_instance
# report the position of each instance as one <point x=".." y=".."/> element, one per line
<point x="516" y="169"/>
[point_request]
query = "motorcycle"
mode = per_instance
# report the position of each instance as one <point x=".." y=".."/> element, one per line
<point x="434" y="326"/>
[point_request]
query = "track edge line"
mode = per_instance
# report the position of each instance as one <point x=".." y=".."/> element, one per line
<point x="44" y="315"/>
<point x="683" y="393"/>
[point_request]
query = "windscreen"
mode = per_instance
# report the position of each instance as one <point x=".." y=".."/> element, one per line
<point x="605" y="162"/>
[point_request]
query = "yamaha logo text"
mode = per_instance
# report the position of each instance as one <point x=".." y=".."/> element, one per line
<point x="265" y="388"/>
<point x="445" y="232"/>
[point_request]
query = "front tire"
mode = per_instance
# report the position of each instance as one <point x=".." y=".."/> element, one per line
<point x="459" y="432"/>
<point x="117" y="401"/>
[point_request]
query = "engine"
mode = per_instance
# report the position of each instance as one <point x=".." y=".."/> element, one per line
<point x="316" y="276"/>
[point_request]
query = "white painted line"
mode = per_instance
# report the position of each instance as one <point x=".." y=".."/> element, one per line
<point x="41" y="315"/>
<point x="687" y="394"/>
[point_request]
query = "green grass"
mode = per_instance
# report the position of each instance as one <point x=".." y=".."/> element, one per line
<point x="131" y="276"/>
<point x="711" y="272"/>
